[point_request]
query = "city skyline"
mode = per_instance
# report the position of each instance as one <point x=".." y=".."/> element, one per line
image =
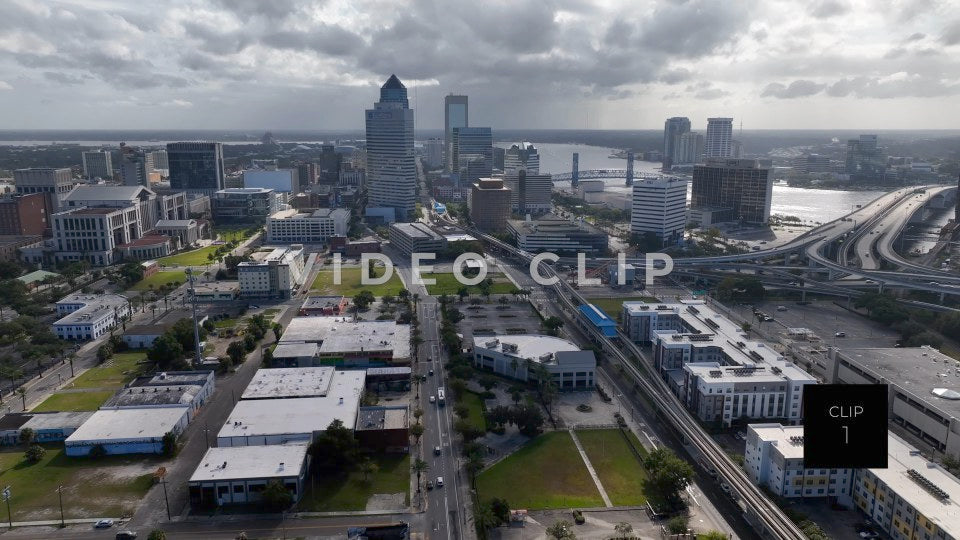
<point x="575" y="65"/>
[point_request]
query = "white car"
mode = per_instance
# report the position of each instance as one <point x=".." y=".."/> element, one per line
<point x="103" y="524"/>
<point x="439" y="481"/>
<point x="433" y="399"/>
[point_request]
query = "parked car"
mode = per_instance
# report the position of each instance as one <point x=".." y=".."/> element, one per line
<point x="869" y="534"/>
<point x="781" y="308"/>
<point x="126" y="535"/>
<point x="103" y="524"/>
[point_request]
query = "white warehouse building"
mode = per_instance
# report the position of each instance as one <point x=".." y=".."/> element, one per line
<point x="89" y="316"/>
<point x="659" y="207"/>
<point x="128" y="431"/>
<point x="517" y="357"/>
<point x="237" y="475"/>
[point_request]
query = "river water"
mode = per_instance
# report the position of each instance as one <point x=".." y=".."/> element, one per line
<point x="811" y="205"/>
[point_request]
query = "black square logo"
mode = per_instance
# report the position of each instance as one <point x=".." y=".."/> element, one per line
<point x="845" y="426"/>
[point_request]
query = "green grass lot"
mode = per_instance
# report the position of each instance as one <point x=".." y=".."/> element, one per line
<point x="620" y="472"/>
<point x="90" y="488"/>
<point x="158" y="279"/>
<point x="474" y="403"/>
<point x="350" y="284"/>
<point x="231" y="234"/>
<point x="197" y="257"/>
<point x="114" y="373"/>
<point x="74" y="401"/>
<point x="612" y="306"/>
<point x="545" y="473"/>
<point x="352" y="492"/>
<point x="448" y="284"/>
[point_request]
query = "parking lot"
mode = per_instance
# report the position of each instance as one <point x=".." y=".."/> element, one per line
<point x="495" y="318"/>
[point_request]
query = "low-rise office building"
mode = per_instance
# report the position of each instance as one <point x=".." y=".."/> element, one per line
<point x="554" y="234"/>
<point x="169" y="389"/>
<point x="12" y="248"/>
<point x="325" y="306"/>
<point x="295" y="227"/>
<point x="239" y="475"/>
<point x="383" y="429"/>
<point x="522" y="357"/>
<point x="128" y="431"/>
<point x="244" y="204"/>
<point x="186" y="231"/>
<point x="416" y="237"/>
<point x="145" y="248"/>
<point x="924" y="390"/>
<point x="89" y="316"/>
<point x="217" y="291"/>
<point x="344" y="342"/>
<point x="278" y="275"/>
<point x="295" y="355"/>
<point x="47" y="427"/>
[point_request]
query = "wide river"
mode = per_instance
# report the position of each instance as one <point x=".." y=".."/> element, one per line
<point x="816" y="205"/>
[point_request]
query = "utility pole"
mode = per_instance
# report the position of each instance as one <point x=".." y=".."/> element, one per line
<point x="196" y="329"/>
<point x="6" y="497"/>
<point x="60" y="493"/>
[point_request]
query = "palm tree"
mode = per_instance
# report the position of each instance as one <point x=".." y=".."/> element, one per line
<point x="419" y="466"/>
<point x="22" y="392"/>
<point x="485" y="519"/>
<point x="473" y="465"/>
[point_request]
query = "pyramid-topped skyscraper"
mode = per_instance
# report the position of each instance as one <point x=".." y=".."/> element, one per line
<point x="391" y="163"/>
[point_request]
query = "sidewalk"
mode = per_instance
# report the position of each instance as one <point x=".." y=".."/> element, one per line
<point x="590" y="469"/>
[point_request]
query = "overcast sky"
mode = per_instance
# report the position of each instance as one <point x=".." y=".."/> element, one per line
<point x="275" y="64"/>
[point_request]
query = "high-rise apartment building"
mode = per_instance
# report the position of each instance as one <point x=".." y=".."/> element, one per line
<point x="433" y="152"/>
<point x="135" y="166"/>
<point x="57" y="182"/>
<point x="307" y="173"/>
<point x="521" y="156"/>
<point x="391" y="161"/>
<point x="865" y="161"/>
<point x="196" y="166"/>
<point x="490" y="203"/>
<point x="455" y="115"/>
<point x="530" y="193"/>
<point x="733" y="190"/>
<point x="97" y="164"/>
<point x="673" y="128"/>
<point x="719" y="137"/>
<point x="331" y="161"/>
<point x="689" y="149"/>
<point x="159" y="160"/>
<point x="472" y="153"/>
<point x="659" y="207"/>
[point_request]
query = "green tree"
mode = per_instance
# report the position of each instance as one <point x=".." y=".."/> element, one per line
<point x="104" y="353"/>
<point x="336" y="449"/>
<point x="624" y="530"/>
<point x="35" y="453"/>
<point x="363" y="299"/>
<point x="553" y="324"/>
<point x="713" y="535"/>
<point x="485" y="519"/>
<point x="668" y="474"/>
<point x="165" y="352"/>
<point x="419" y="466"/>
<point x="182" y="331"/>
<point x="237" y="351"/>
<point x="417" y="431"/>
<point x="169" y="444"/>
<point x="678" y="524"/>
<point x="561" y="530"/>
<point x="27" y="436"/>
<point x="501" y="509"/>
<point x="463" y="292"/>
<point x="157" y="534"/>
<point x="277" y="331"/>
<point x="276" y="496"/>
<point x="368" y="468"/>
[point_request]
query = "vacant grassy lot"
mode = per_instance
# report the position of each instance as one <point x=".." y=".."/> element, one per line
<point x="197" y="257"/>
<point x="448" y="284"/>
<point x="74" y="401"/>
<point x="233" y="234"/>
<point x="160" y="278"/>
<point x="546" y="473"/>
<point x="474" y="404"/>
<point x="612" y="306"/>
<point x="108" y="487"/>
<point x="114" y="373"/>
<point x="350" y="284"/>
<point x="353" y="491"/>
<point x="620" y="472"/>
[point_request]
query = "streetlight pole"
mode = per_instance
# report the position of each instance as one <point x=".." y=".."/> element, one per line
<point x="6" y="497"/>
<point x="63" y="523"/>
<point x="196" y="329"/>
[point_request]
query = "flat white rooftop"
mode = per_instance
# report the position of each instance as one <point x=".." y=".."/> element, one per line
<point x="713" y="372"/>
<point x="289" y="382"/>
<point x="117" y="425"/>
<point x="527" y="346"/>
<point x="342" y="335"/>
<point x="250" y="462"/>
<point x="779" y="435"/>
<point x="305" y="415"/>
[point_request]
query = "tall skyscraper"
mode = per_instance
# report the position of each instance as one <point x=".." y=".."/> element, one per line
<point x="673" y="128"/>
<point x="522" y="156"/>
<point x="865" y="161"/>
<point x="529" y="193"/>
<point x="455" y="115"/>
<point x="391" y="161"/>
<point x="160" y="160"/>
<point x="433" y="151"/>
<point x="719" y="137"/>
<point x="689" y="149"/>
<point x="196" y="166"/>
<point x="489" y="203"/>
<point x="135" y="165"/>
<point x="472" y="153"/>
<point x="97" y="164"/>
<point x="732" y="190"/>
<point x="659" y="207"/>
